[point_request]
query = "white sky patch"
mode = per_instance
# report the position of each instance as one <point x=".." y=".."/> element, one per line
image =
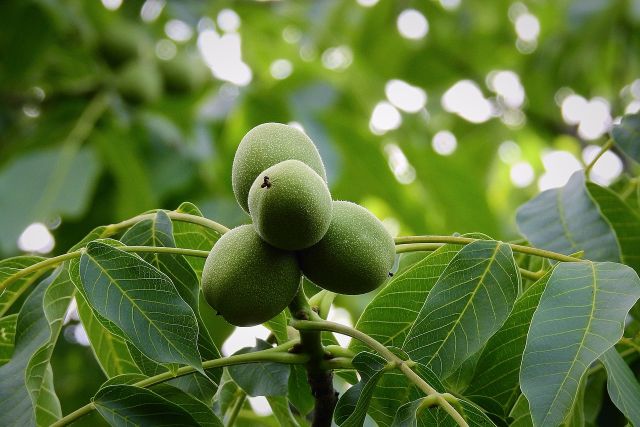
<point x="244" y="337"/>
<point x="572" y="108"/>
<point x="297" y="125"/>
<point x="509" y="152"/>
<point x="36" y="238"/>
<point x="260" y="405"/>
<point x="466" y="99"/>
<point x="527" y="27"/>
<point x="151" y="10"/>
<point x="223" y="55"/>
<point x="112" y="4"/>
<point x="412" y="24"/>
<point x="635" y="89"/>
<point x="444" y="143"/>
<point x="367" y="3"/>
<point x="178" y="30"/>
<point x="607" y="168"/>
<point x="404" y="96"/>
<point x="595" y="120"/>
<point x="281" y="69"/>
<point x="385" y="117"/>
<point x="337" y="58"/>
<point x="341" y="316"/>
<point x="522" y="174"/>
<point x="450" y="4"/>
<point x="633" y="107"/>
<point x="228" y="20"/>
<point x="392" y="225"/>
<point x="399" y="164"/>
<point x="559" y="166"/>
<point x="507" y="85"/>
<point x="593" y="117"/>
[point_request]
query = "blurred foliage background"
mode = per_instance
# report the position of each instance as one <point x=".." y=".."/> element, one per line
<point x="439" y="116"/>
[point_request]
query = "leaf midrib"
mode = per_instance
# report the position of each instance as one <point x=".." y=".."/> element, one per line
<point x="586" y="332"/>
<point x="113" y="281"/>
<point x="464" y="310"/>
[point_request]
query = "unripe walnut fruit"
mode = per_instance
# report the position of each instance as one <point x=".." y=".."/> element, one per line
<point x="356" y="254"/>
<point x="266" y="145"/>
<point x="290" y="205"/>
<point x="246" y="280"/>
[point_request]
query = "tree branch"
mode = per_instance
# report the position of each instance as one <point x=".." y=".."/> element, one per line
<point x="319" y="377"/>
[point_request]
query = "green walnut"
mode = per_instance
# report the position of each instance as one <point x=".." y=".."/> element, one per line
<point x="290" y="205"/>
<point x="355" y="256"/>
<point x="246" y="280"/>
<point x="120" y="42"/>
<point x="140" y="82"/>
<point x="184" y="73"/>
<point x="266" y="145"/>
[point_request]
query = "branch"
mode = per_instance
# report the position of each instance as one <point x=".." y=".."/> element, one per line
<point x="603" y="150"/>
<point x="183" y="217"/>
<point x="52" y="262"/>
<point x="423" y="247"/>
<point x="403" y="365"/>
<point x="319" y="376"/>
<point x="277" y="354"/>
<point x="466" y="240"/>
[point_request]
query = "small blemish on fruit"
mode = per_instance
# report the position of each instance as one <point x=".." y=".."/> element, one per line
<point x="266" y="183"/>
<point x="390" y="274"/>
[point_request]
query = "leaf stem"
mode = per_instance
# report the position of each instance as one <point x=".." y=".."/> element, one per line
<point x="242" y="396"/>
<point x="419" y="247"/>
<point x="466" y="240"/>
<point x="603" y="150"/>
<point x="178" y="216"/>
<point x="276" y="354"/>
<point x="52" y="262"/>
<point x="324" y="325"/>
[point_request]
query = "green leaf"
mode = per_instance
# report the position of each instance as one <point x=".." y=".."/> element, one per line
<point x="624" y="221"/>
<point x="109" y="349"/>
<point x="159" y="232"/>
<point x="131" y="293"/>
<point x="520" y="413"/>
<point x="393" y="389"/>
<point x="580" y="315"/>
<point x="203" y="415"/>
<point x="567" y="220"/>
<point x="26" y="381"/>
<point x="58" y="183"/>
<point x="39" y="376"/>
<point x="622" y="385"/>
<point x="260" y="379"/>
<point x="12" y="292"/>
<point x="626" y="135"/>
<point x="467" y="305"/>
<point x="7" y="337"/>
<point x="495" y="384"/>
<point x="415" y="414"/>
<point x="351" y="409"/>
<point x="299" y="390"/>
<point x="127" y="405"/>
<point x="193" y="236"/>
<point x="390" y="315"/>
<point x="282" y="412"/>
<point x="278" y="326"/>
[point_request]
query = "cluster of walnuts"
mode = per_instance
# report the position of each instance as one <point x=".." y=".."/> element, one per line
<point x="253" y="272"/>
